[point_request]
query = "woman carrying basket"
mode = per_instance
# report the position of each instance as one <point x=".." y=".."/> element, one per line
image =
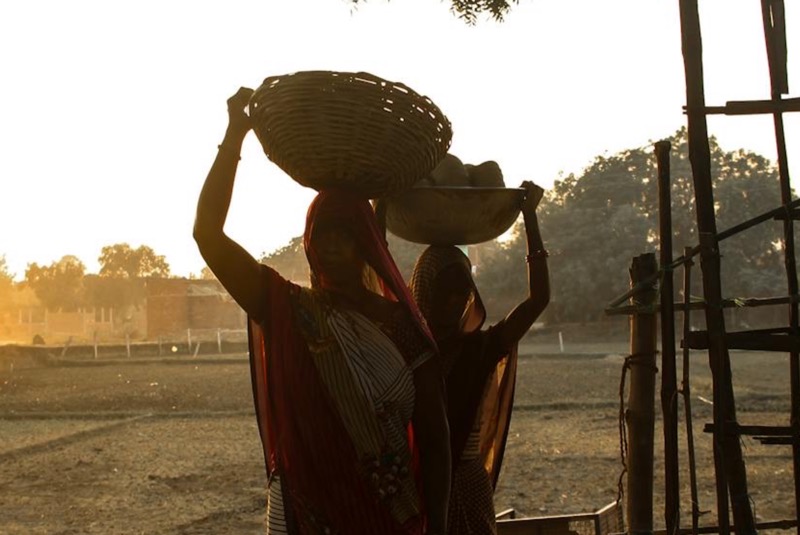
<point x="348" y="394"/>
<point x="479" y="365"/>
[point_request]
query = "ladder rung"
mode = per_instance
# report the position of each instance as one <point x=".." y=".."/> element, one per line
<point x="754" y="107"/>
<point x="758" y="431"/>
<point x="746" y="302"/>
<point x="776" y="340"/>
<point x="793" y="215"/>
<point x="775" y="441"/>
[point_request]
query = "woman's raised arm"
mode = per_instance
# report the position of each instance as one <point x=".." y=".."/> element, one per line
<point x="235" y="268"/>
<point x="520" y="320"/>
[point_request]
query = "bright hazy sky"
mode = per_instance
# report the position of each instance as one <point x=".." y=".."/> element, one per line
<point x="111" y="111"/>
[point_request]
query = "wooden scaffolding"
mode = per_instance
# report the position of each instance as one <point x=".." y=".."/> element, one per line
<point x="729" y="467"/>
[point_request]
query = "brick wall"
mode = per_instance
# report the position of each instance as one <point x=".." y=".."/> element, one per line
<point x="167" y="307"/>
<point x="211" y="307"/>
<point x="175" y="305"/>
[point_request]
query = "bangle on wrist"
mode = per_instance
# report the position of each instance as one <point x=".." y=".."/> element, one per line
<point x="537" y="254"/>
<point x="228" y="150"/>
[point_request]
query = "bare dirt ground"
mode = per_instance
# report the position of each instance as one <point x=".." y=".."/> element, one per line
<point x="171" y="445"/>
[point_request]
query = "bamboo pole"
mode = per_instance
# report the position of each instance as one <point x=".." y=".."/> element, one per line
<point x="775" y="37"/>
<point x="728" y="462"/>
<point x="669" y="378"/>
<point x="686" y="392"/>
<point x="640" y="414"/>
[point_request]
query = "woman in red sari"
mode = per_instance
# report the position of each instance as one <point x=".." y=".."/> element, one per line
<point x="479" y="365"/>
<point x="348" y="396"/>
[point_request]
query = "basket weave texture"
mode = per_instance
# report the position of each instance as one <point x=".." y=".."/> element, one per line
<point x="352" y="131"/>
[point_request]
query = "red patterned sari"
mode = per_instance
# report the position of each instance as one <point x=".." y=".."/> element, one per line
<point x="334" y="396"/>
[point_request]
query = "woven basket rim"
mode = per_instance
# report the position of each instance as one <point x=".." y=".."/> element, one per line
<point x="370" y="134"/>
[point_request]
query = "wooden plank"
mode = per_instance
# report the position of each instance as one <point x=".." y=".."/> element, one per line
<point x="754" y="430"/>
<point x="776" y="441"/>
<point x="738" y="302"/>
<point x="793" y="215"/>
<point x="755" y="107"/>
<point x="747" y="340"/>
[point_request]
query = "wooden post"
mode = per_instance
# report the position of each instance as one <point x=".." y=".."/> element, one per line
<point x="95" y="344"/>
<point x="189" y="340"/>
<point x="128" y="344"/>
<point x="669" y="376"/>
<point x="640" y="414"/>
<point x="159" y="346"/>
<point x="219" y="341"/>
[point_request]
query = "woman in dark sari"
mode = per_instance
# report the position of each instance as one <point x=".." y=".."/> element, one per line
<point x="348" y="394"/>
<point x="479" y="365"/>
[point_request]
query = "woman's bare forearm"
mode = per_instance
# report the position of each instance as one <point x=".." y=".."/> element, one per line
<point x="235" y="268"/>
<point x="520" y="320"/>
<point x="215" y="197"/>
<point x="538" y="272"/>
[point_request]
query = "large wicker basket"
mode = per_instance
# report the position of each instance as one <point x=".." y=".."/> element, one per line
<point x="350" y="131"/>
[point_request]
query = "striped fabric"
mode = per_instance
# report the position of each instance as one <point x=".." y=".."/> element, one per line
<point x="379" y="372"/>
<point x="276" y="520"/>
<point x="372" y="386"/>
<point x="471" y="509"/>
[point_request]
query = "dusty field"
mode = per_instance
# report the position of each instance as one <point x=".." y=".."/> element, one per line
<point x="171" y="446"/>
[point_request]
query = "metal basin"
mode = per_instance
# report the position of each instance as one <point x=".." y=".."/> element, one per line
<point x="453" y="215"/>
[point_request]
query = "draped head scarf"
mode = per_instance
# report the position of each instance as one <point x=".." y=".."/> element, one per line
<point x="431" y="263"/>
<point x="356" y="213"/>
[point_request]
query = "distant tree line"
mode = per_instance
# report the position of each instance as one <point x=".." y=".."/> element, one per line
<point x="65" y="284"/>
<point x="593" y="223"/>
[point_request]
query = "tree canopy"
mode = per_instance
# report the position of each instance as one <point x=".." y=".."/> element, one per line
<point x="595" y="222"/>
<point x="122" y="261"/>
<point x="469" y="10"/>
<point x="59" y="285"/>
<point x="6" y="282"/>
